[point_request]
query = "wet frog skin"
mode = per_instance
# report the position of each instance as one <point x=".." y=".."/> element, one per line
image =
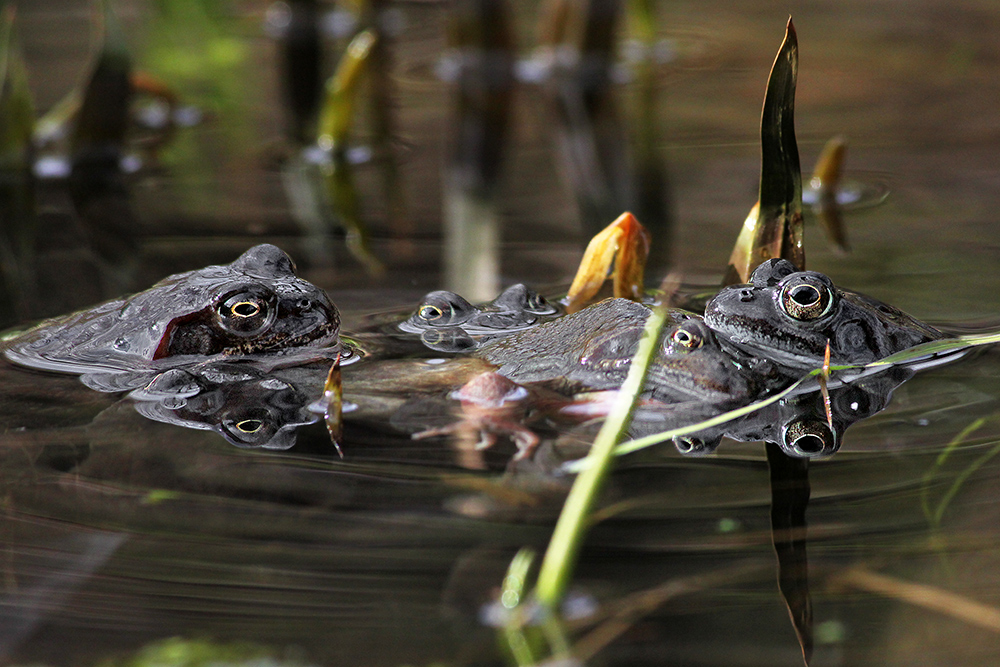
<point x="592" y="350"/>
<point x="254" y="306"/>
<point x="789" y="315"/>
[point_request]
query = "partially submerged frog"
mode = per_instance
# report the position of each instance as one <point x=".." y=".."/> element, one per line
<point x="449" y="323"/>
<point x="593" y="349"/>
<point x="254" y="306"/>
<point x="789" y="315"/>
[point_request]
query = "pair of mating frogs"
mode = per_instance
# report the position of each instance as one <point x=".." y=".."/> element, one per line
<point x="254" y="319"/>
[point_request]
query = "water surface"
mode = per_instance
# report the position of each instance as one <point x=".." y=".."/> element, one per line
<point x="119" y="531"/>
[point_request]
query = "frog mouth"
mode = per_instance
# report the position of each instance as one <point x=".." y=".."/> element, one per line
<point x="322" y="336"/>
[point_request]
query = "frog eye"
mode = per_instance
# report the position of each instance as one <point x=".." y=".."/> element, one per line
<point x="686" y="339"/>
<point x="441" y="309"/>
<point x="247" y="312"/>
<point x="447" y="339"/>
<point x="245" y="309"/>
<point x="806" y="300"/>
<point x="429" y="313"/>
<point x="537" y="303"/>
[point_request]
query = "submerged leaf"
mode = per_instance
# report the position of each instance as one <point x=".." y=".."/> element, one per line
<point x="625" y="243"/>
<point x="17" y="192"/>
<point x="777" y="230"/>
<point x="789" y="499"/>
<point x="342" y="195"/>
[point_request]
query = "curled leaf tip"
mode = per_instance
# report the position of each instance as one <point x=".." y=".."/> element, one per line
<point x="624" y="243"/>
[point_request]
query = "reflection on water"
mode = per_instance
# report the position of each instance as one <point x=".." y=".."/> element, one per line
<point x="119" y="530"/>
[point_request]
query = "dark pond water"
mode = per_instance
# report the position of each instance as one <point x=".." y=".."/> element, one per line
<point x="118" y="530"/>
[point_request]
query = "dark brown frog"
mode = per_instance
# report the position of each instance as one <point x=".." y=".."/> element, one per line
<point x="788" y="316"/>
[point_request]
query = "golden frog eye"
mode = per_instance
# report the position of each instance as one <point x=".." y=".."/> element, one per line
<point x="247" y="312"/>
<point x="245" y="309"/>
<point x="806" y="301"/>
<point x="808" y="438"/>
<point x="686" y="339"/>
<point x="429" y="313"/>
<point x="441" y="309"/>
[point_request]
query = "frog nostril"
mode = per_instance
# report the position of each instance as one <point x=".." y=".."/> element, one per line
<point x="303" y="304"/>
<point x="746" y="295"/>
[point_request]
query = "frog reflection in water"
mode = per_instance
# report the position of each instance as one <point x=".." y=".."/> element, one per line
<point x="789" y="315"/>
<point x="447" y="322"/>
<point x="254" y="306"/>
<point x="247" y="405"/>
<point x="798" y="424"/>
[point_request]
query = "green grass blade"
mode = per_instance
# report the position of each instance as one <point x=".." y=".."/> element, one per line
<point x="567" y="538"/>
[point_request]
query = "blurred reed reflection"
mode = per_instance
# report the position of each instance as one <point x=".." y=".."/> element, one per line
<point x="97" y="183"/>
<point x="575" y="64"/>
<point x="482" y="35"/>
<point x="17" y="183"/>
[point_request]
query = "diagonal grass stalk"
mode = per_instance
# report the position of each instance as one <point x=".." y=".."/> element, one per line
<point x="567" y="538"/>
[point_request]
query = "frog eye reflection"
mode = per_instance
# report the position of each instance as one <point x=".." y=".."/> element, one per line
<point x="246" y="313"/>
<point x="808" y="438"/>
<point x="686" y="339"/>
<point x="806" y="301"/>
<point x="253" y="427"/>
<point x="249" y="426"/>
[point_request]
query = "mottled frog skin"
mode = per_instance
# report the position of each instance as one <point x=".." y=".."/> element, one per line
<point x="592" y="350"/>
<point x="789" y="315"/>
<point x="254" y="306"/>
